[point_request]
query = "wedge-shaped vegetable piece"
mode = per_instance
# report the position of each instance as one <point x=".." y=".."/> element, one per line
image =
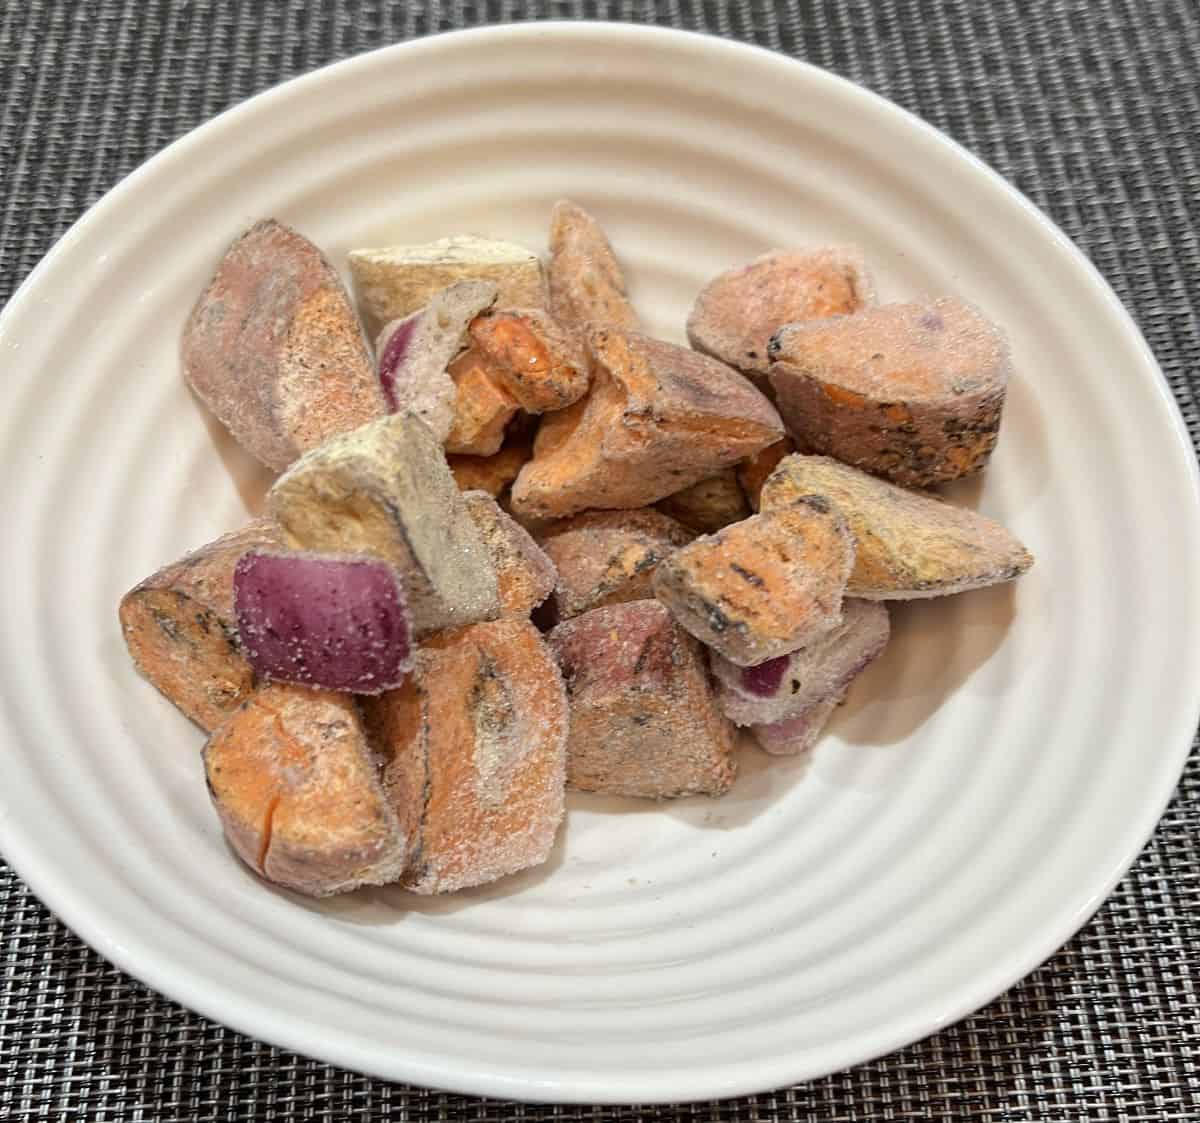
<point x="541" y="365"/>
<point x="608" y="557"/>
<point x="478" y="734"/>
<point x="586" y="283"/>
<point x="331" y="622"/>
<point x="525" y="575"/>
<point x="736" y="314"/>
<point x="762" y="587"/>
<point x="274" y="349"/>
<point x="296" y="788"/>
<point x="753" y="473"/>
<point x="796" y="734"/>
<point x="415" y="352"/>
<point x="709" y="504"/>
<point x="912" y="392"/>
<point x="490" y="473"/>
<point x="907" y="544"/>
<point x="659" y="418"/>
<point x="181" y="630"/>
<point x="644" y="720"/>
<point x="385" y="491"/>
<point x="821" y="670"/>
<point x="396" y="281"/>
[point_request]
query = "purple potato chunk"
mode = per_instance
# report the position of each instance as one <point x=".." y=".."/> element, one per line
<point x="328" y="622"/>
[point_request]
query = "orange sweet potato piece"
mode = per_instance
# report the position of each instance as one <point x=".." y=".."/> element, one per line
<point x="762" y="587"/>
<point x="608" y="557"/>
<point x="752" y="473"/>
<point x="535" y="360"/>
<point x="274" y="349"/>
<point x="911" y="392"/>
<point x="736" y="314"/>
<point x="524" y="574"/>
<point x="490" y="473"/>
<point x="295" y="785"/>
<point x="659" y="418"/>
<point x="644" y="719"/>
<point x="480" y="729"/>
<point x="483" y="407"/>
<point x="586" y="283"/>
<point x="708" y="505"/>
<point x="181" y="630"/>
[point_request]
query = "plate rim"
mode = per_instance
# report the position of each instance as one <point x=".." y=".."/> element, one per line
<point x="21" y="850"/>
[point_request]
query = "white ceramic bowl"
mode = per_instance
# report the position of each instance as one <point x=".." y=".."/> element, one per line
<point x="990" y="780"/>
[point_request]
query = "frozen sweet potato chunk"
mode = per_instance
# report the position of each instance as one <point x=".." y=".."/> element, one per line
<point x="708" y="505"/>
<point x="479" y="729"/>
<point x="659" y="418"/>
<point x="644" y="720"/>
<point x="181" y="630"/>
<point x="820" y="671"/>
<point x="796" y="734"/>
<point x="608" y="557"/>
<point x="907" y="544"/>
<point x="490" y="473"/>
<point x="736" y="314"/>
<point x="525" y="575"/>
<point x="586" y="283"/>
<point x="415" y="354"/>
<point x="295" y="785"/>
<point x="911" y="392"/>
<point x="535" y="360"/>
<point x="274" y="349"/>
<point x="335" y="622"/>
<point x="396" y="281"/>
<point x="385" y="491"/>
<point x="483" y="407"/>
<point x="753" y="472"/>
<point x="764" y="586"/>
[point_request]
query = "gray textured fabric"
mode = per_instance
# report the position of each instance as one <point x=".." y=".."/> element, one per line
<point x="1091" y="108"/>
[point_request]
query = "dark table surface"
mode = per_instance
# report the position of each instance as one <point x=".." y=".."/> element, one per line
<point x="1091" y="108"/>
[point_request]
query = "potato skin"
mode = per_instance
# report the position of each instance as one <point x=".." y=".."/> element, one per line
<point x="273" y="347"/>
<point x="644" y="720"/>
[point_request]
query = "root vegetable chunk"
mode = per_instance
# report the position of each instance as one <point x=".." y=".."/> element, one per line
<point x="762" y="587"/>
<point x="385" y="491"/>
<point x="536" y="361"/>
<point x="337" y="623"/>
<point x="736" y="314"/>
<point x="478" y="732"/>
<point x="708" y="505"/>
<point x="608" y="557"/>
<point x="797" y="734"/>
<point x="526" y="576"/>
<point x="482" y="408"/>
<point x="659" y="418"/>
<point x="396" y="281"/>
<point x="644" y="721"/>
<point x="274" y="349"/>
<point x="295" y="785"/>
<point x="753" y="473"/>
<point x="415" y="352"/>
<point x="181" y="630"/>
<point x="907" y="544"/>
<point x="490" y="473"/>
<point x="821" y="671"/>
<point x="586" y="283"/>
<point x="911" y="392"/>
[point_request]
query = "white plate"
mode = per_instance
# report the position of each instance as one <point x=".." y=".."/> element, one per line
<point x="990" y="780"/>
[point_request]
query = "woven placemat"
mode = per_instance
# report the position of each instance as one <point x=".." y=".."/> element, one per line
<point x="1090" y="107"/>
